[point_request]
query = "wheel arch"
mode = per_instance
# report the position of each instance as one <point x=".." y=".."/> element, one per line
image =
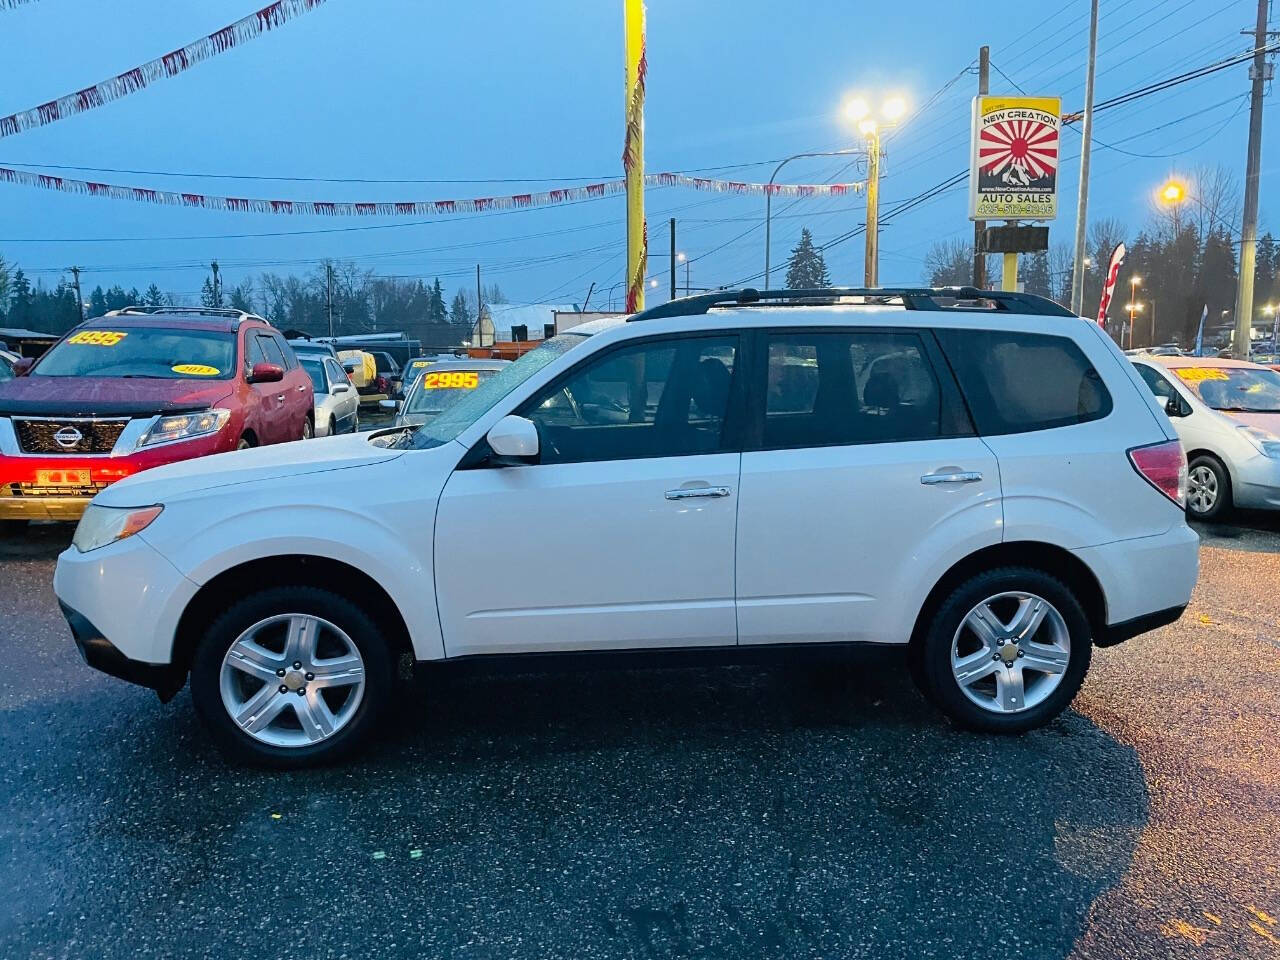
<point x="1047" y="557"/>
<point x="301" y="569"/>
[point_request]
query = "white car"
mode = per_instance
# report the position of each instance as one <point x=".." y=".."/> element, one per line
<point x="437" y="386"/>
<point x="978" y="477"/>
<point x="1227" y="414"/>
<point x="337" y="404"/>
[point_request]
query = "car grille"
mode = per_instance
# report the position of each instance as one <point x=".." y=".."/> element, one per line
<point x="34" y="490"/>
<point x="40" y="436"/>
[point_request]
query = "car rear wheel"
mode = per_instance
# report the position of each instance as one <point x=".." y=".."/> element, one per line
<point x="1006" y="652"/>
<point x="308" y="431"/>
<point x="1208" y="489"/>
<point x="333" y="427"/>
<point x="291" y="677"/>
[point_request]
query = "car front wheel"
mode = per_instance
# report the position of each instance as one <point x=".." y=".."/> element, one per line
<point x="1006" y="652"/>
<point x="1208" y="489"/>
<point x="291" y="677"/>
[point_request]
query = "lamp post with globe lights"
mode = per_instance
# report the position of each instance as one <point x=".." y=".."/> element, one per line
<point x="857" y="110"/>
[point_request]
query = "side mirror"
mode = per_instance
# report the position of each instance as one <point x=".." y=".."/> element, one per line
<point x="340" y="388"/>
<point x="391" y="406"/>
<point x="1173" y="407"/>
<point x="266" y="373"/>
<point x="22" y="366"/>
<point x="513" y="439"/>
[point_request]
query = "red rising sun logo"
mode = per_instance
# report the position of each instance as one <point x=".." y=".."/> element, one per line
<point x="1027" y="145"/>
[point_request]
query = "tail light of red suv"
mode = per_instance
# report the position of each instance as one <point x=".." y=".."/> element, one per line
<point x="1164" y="466"/>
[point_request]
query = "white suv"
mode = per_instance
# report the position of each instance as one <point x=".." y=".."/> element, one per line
<point x="981" y="477"/>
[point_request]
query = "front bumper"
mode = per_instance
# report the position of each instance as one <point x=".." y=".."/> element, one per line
<point x="97" y="651"/>
<point x="26" y="494"/>
<point x="1257" y="484"/>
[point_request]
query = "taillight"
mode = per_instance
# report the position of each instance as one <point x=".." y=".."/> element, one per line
<point x="1164" y="466"/>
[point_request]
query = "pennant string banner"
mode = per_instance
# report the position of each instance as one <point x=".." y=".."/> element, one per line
<point x="545" y="198"/>
<point x="170" y="65"/>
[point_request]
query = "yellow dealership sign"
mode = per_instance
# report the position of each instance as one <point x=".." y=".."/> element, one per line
<point x="1013" y="169"/>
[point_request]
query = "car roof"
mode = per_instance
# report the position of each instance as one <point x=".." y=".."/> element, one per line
<point x="1175" y="362"/>
<point x="168" y="321"/>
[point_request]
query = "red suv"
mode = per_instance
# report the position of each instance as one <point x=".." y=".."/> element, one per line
<point x="138" y="388"/>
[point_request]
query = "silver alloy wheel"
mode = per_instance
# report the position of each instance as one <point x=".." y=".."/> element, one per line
<point x="1010" y="652"/>
<point x="1202" y="489"/>
<point x="292" y="680"/>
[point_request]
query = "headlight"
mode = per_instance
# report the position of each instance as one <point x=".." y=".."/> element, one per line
<point x="103" y="525"/>
<point x="185" y="426"/>
<point x="1265" y="442"/>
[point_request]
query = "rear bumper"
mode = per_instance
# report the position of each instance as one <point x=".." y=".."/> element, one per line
<point x="1120" y="632"/>
<point x="1145" y="579"/>
<point x="101" y="654"/>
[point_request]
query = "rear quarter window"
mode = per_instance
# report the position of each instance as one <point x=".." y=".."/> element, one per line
<point x="1018" y="382"/>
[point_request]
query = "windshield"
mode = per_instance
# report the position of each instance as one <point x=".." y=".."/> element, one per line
<point x="1234" y="388"/>
<point x="315" y="370"/>
<point x="142" y="352"/>
<point x="436" y="391"/>
<point x="5" y="372"/>
<point x="477" y="402"/>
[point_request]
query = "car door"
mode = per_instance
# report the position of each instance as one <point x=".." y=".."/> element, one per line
<point x="298" y="390"/>
<point x="267" y="414"/>
<point x="861" y="473"/>
<point x="621" y="535"/>
<point x="1188" y="422"/>
<point x="345" y="399"/>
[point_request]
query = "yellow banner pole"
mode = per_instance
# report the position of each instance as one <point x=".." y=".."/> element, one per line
<point x="633" y="152"/>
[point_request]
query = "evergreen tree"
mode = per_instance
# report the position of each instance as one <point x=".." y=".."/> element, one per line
<point x="242" y="297"/>
<point x="153" y="297"/>
<point x="436" y="310"/>
<point x="97" y="302"/>
<point x="1265" y="289"/>
<point x="19" y="312"/>
<point x="207" y="296"/>
<point x="117" y="297"/>
<point x="4" y="287"/>
<point x="1035" y="274"/>
<point x="459" y="312"/>
<point x="806" y="268"/>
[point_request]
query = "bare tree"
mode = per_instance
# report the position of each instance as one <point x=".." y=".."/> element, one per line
<point x="949" y="263"/>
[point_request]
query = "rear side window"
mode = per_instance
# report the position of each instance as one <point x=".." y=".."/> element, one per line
<point x="831" y="389"/>
<point x="1017" y="382"/>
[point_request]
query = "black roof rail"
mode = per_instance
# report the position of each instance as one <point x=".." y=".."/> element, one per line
<point x="912" y="298"/>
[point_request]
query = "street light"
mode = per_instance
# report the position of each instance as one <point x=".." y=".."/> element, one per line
<point x="859" y="111"/>
<point x="1133" y="307"/>
<point x="768" y="197"/>
<point x="1173" y="192"/>
<point x="682" y="257"/>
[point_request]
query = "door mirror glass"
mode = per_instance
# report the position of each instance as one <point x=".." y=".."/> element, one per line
<point x="266" y="373"/>
<point x="1173" y="407"/>
<point x="514" y="438"/>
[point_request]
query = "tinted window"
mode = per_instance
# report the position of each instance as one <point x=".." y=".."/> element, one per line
<point x="336" y="373"/>
<point x="147" y="352"/>
<point x="843" y="388"/>
<point x="1015" y="382"/>
<point x="663" y="398"/>
<point x="286" y="351"/>
<point x="256" y="353"/>
<point x="1161" y="387"/>
<point x="315" y="370"/>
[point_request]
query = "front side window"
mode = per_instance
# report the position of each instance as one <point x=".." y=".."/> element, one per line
<point x="315" y="370"/>
<point x="660" y="398"/>
<point x="271" y="350"/>
<point x="838" y="388"/>
<point x="146" y="352"/>
<point x="1237" y="389"/>
<point x="1016" y="382"/>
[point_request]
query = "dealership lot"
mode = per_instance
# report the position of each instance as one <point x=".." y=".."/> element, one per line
<point x="744" y="812"/>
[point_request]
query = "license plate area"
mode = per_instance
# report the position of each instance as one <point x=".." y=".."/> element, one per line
<point x="62" y="478"/>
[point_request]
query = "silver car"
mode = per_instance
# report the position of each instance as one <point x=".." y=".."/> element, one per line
<point x="1227" y="415"/>
<point x="438" y="385"/>
<point x="337" y="405"/>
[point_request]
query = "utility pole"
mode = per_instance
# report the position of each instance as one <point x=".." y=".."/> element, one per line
<point x="673" y="258"/>
<point x="217" y="285"/>
<point x="980" y="226"/>
<point x="480" y="311"/>
<point x="1249" y="218"/>
<point x="1082" y="202"/>
<point x="871" y="269"/>
<point x="328" y="295"/>
<point x="75" y="272"/>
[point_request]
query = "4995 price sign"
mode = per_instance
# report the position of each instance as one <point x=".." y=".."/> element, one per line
<point x="1013" y="172"/>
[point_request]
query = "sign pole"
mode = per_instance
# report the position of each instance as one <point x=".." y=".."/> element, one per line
<point x="633" y="152"/>
<point x="1009" y="275"/>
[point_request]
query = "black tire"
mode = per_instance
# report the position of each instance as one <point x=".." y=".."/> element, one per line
<point x="1221" y="504"/>
<point x="939" y="684"/>
<point x="333" y="427"/>
<point x="13" y="528"/>
<point x="308" y="431"/>
<point x="206" y="667"/>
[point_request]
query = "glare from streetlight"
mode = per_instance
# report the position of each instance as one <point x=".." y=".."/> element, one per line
<point x="1173" y="191"/>
<point x="1133" y="307"/>
<point x="867" y="127"/>
<point x="1135" y="280"/>
<point x="855" y="108"/>
<point x="894" y="108"/>
<point x="653" y="283"/>
<point x="680" y="257"/>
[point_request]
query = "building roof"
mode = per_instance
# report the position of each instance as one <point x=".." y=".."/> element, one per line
<point x="18" y="333"/>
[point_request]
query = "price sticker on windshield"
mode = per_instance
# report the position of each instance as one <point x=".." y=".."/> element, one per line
<point x="455" y="380"/>
<point x="1197" y="374"/>
<point x="97" y="338"/>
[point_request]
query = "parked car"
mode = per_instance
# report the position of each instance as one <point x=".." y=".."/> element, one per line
<point x="312" y="348"/>
<point x="438" y="386"/>
<point x="999" y="498"/>
<point x="8" y="361"/>
<point x="337" y="405"/>
<point x="138" y="388"/>
<point x="390" y="378"/>
<point x="1227" y="414"/>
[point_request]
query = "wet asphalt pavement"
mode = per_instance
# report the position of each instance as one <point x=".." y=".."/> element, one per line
<point x="721" y="813"/>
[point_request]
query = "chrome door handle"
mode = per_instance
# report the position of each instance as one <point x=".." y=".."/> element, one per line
<point x="685" y="493"/>
<point x="971" y="476"/>
<point x="302" y="387"/>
